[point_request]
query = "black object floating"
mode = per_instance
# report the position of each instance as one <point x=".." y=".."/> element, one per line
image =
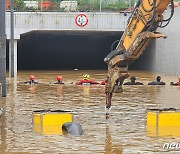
<point x="72" y="128"/>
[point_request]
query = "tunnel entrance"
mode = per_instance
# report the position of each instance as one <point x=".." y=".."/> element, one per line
<point x="65" y="50"/>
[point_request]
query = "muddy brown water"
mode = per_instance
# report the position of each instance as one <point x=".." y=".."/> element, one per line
<point x="125" y="131"/>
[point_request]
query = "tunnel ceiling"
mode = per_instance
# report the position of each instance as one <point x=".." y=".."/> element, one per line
<point x="64" y="50"/>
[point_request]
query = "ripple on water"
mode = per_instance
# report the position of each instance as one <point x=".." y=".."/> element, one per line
<point x="124" y="132"/>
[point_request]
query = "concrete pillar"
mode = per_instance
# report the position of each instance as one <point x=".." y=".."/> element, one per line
<point x="12" y="43"/>
<point x="13" y="59"/>
<point x="2" y="48"/>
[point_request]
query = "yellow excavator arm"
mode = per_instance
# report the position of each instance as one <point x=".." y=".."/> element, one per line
<point x="146" y="17"/>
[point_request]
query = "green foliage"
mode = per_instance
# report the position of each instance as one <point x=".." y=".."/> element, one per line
<point x="82" y="2"/>
<point x="116" y="6"/>
<point x="83" y="5"/>
<point x="94" y="5"/>
<point x="19" y="5"/>
<point x="106" y="5"/>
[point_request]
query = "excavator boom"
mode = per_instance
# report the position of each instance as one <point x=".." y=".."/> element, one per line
<point x="146" y="17"/>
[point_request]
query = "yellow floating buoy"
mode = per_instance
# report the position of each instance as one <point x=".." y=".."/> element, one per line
<point x="163" y="123"/>
<point x="49" y="122"/>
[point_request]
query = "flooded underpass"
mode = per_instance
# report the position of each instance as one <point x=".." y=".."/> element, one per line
<point x="125" y="131"/>
<point x="65" y="50"/>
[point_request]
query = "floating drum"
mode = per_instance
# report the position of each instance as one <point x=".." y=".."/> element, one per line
<point x="163" y="123"/>
<point x="49" y="122"/>
<point x="72" y="128"/>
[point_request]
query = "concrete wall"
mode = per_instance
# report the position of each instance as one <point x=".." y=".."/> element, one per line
<point x="167" y="55"/>
<point x="97" y="21"/>
<point x="163" y="55"/>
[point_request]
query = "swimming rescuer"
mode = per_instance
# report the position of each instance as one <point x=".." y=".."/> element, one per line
<point x="86" y="80"/>
<point x="59" y="80"/>
<point x="177" y="83"/>
<point x="133" y="81"/>
<point x="157" y="82"/>
<point x="31" y="80"/>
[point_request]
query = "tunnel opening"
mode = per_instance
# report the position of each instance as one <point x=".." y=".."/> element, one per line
<point x="65" y="50"/>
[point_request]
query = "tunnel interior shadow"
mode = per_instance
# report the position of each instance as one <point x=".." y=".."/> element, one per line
<point x="65" y="50"/>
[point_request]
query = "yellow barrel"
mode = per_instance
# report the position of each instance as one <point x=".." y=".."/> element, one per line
<point x="163" y="123"/>
<point x="49" y="122"/>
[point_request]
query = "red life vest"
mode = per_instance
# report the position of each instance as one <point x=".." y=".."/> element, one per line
<point x="86" y="82"/>
<point x="102" y="83"/>
<point x="178" y="83"/>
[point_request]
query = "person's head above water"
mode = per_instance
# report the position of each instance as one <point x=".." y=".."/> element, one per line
<point x="158" y="78"/>
<point x="86" y="76"/>
<point x="31" y="77"/>
<point x="59" y="78"/>
<point x="133" y="78"/>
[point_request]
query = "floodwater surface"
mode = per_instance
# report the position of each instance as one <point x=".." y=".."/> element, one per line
<point x="125" y="131"/>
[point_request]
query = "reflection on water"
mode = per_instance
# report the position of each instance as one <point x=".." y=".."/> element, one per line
<point x="126" y="128"/>
<point x="59" y="90"/>
<point x="32" y="88"/>
<point x="109" y="147"/>
<point x="163" y="131"/>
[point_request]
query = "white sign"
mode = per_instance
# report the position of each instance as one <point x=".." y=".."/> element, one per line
<point x="81" y="20"/>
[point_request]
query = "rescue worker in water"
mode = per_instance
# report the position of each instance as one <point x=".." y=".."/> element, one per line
<point x="86" y="77"/>
<point x="133" y="81"/>
<point x="86" y="80"/>
<point x="59" y="80"/>
<point x="31" y="80"/>
<point x="157" y="82"/>
<point x="177" y="83"/>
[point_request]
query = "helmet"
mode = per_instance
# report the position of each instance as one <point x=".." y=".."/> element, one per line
<point x="59" y="78"/>
<point x="31" y="77"/>
<point x="158" y="78"/>
<point x="86" y="77"/>
<point x="132" y="78"/>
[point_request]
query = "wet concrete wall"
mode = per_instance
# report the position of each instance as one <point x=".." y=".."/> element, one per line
<point x="97" y="21"/>
<point x="167" y="55"/>
<point x="163" y="55"/>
